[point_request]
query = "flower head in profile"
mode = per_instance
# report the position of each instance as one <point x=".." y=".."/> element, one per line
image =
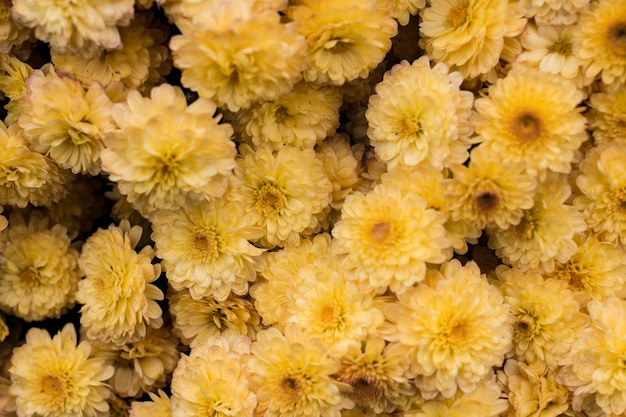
<point x="206" y="248"/>
<point x="419" y="114"/>
<point x="532" y="117"/>
<point x="39" y="271"/>
<point x="345" y="40"/>
<point x="53" y="376"/>
<point x="166" y="154"/>
<point x="212" y="380"/>
<point x="118" y="297"/>
<point x="80" y="26"/>
<point x="607" y="116"/>
<point x="386" y="237"/>
<point x="159" y="405"/>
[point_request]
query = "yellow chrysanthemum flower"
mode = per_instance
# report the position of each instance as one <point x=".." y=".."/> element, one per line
<point x="553" y="12"/>
<point x="468" y="35"/>
<point x="11" y="32"/>
<point x="54" y="377"/>
<point x="488" y="192"/>
<point x="291" y="376"/>
<point x="452" y="330"/>
<point x="602" y="184"/>
<point x="547" y="316"/>
<point x="118" y="297"/>
<point x="346" y="39"/>
<point x="607" y="117"/>
<point x="196" y="321"/>
<point x="281" y="191"/>
<point x="205" y="248"/>
<point x="13" y="75"/>
<point x="81" y="26"/>
<point x="386" y="237"/>
<point x="600" y="32"/>
<point x="38" y="269"/>
<point x="212" y="380"/>
<point x="158" y="406"/>
<point x="531" y="116"/>
<point x="238" y="59"/>
<point x="65" y="121"/>
<point x="419" y="114"/>
<point x="545" y="235"/>
<point x="402" y="10"/>
<point x="167" y="154"/>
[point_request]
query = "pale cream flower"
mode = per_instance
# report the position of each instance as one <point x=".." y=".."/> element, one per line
<point x="118" y="297"/>
<point x="607" y="117"/>
<point x="158" y="406"/>
<point x="553" y="12"/>
<point x="205" y="248"/>
<point x="56" y="378"/>
<point x="419" y="114"/>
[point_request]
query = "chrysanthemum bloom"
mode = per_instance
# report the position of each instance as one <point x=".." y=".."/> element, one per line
<point x="239" y="58"/>
<point x="28" y="177"/>
<point x="552" y="49"/>
<point x="140" y="366"/>
<point x="376" y="376"/>
<point x="212" y="380"/>
<point x="80" y="27"/>
<point x="419" y="114"/>
<point x="386" y="237"/>
<point x="158" y="406"/>
<point x="38" y="269"/>
<point x="167" y="154"/>
<point x="547" y="316"/>
<point x="531" y="116"/>
<point x="205" y="248"/>
<point x="600" y="32"/>
<point x="402" y="10"/>
<point x="141" y="43"/>
<point x="607" y="117"/>
<point x="545" y="235"/>
<point x="594" y="366"/>
<point x="196" y="321"/>
<point x="281" y="191"/>
<point x="13" y="75"/>
<point x="468" y="35"/>
<point x="279" y="273"/>
<point x="54" y="377"/>
<point x="534" y="391"/>
<point x="290" y="374"/>
<point x="119" y="301"/>
<point x="66" y="122"/>
<point x="328" y="307"/>
<point x="453" y="330"/>
<point x="553" y="12"/>
<point x="301" y="118"/>
<point x="346" y="39"/>
<point x="488" y="192"/>
<point x="595" y="272"/>
<point x="602" y="183"/>
<point x="11" y="32"/>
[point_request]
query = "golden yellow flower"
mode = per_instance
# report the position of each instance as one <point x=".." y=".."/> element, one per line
<point x="81" y="26"/>
<point x="607" y="116"/>
<point x="600" y="32"/>
<point x="468" y="35"/>
<point x="346" y="39"/>
<point x="158" y="406"/>
<point x="531" y="116"/>
<point x="196" y="321"/>
<point x="212" y="380"/>
<point x="167" y="154"/>
<point x="602" y="184"/>
<point x="239" y="60"/>
<point x="452" y="330"/>
<point x="402" y="10"/>
<point x="291" y="376"/>
<point x="488" y="192"/>
<point x="281" y="191"/>
<point x="547" y="316"/>
<point x="386" y="237"/>
<point x="307" y="114"/>
<point x="553" y="12"/>
<point x="38" y="269"/>
<point x="205" y="248"/>
<point x="419" y="114"/>
<point x="66" y="122"/>
<point x="545" y="235"/>
<point x="54" y="377"/>
<point x="118" y="297"/>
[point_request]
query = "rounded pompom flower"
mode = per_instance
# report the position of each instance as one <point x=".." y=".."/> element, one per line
<point x="607" y="117"/>
<point x="56" y="378"/>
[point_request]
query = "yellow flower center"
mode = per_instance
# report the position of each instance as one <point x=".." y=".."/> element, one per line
<point x="381" y="232"/>
<point x="338" y="45"/>
<point x="366" y="388"/>
<point x="574" y="274"/>
<point x="410" y="126"/>
<point x="525" y="328"/>
<point x="456" y="332"/>
<point x="526" y="227"/>
<point x="457" y="15"/>
<point x="281" y="114"/>
<point x="527" y="126"/>
<point x="617" y="38"/>
<point x="270" y="199"/>
<point x="561" y="47"/>
<point x="30" y="277"/>
<point x="54" y="386"/>
<point x="292" y="388"/>
<point x="207" y="243"/>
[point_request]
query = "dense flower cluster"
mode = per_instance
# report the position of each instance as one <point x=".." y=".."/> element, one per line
<point x="313" y="208"/>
